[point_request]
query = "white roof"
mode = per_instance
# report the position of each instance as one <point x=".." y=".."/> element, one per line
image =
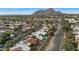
<point x="22" y="45"/>
<point x="41" y="31"/>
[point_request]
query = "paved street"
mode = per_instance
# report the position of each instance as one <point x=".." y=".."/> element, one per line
<point x="56" y="40"/>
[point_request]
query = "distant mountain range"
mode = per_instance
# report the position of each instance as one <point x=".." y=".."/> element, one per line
<point x="47" y="12"/>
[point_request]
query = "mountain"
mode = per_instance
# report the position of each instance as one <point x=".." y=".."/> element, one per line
<point x="39" y="12"/>
<point x="47" y="12"/>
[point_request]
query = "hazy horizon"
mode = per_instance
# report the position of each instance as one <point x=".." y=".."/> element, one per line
<point x="29" y="11"/>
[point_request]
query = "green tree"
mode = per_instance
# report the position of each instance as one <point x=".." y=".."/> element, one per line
<point x="9" y="44"/>
<point x="2" y="41"/>
<point x="70" y="45"/>
<point x="6" y="36"/>
<point x="66" y="26"/>
<point x="51" y="30"/>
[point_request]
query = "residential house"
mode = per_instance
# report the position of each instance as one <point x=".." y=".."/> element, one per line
<point x="33" y="40"/>
<point x="21" y="46"/>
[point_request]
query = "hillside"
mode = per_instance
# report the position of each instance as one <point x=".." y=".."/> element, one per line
<point x="47" y="12"/>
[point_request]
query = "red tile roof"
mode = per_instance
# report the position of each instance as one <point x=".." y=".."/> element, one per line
<point x="33" y="40"/>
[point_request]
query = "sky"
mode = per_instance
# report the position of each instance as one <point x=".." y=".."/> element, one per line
<point x="28" y="11"/>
